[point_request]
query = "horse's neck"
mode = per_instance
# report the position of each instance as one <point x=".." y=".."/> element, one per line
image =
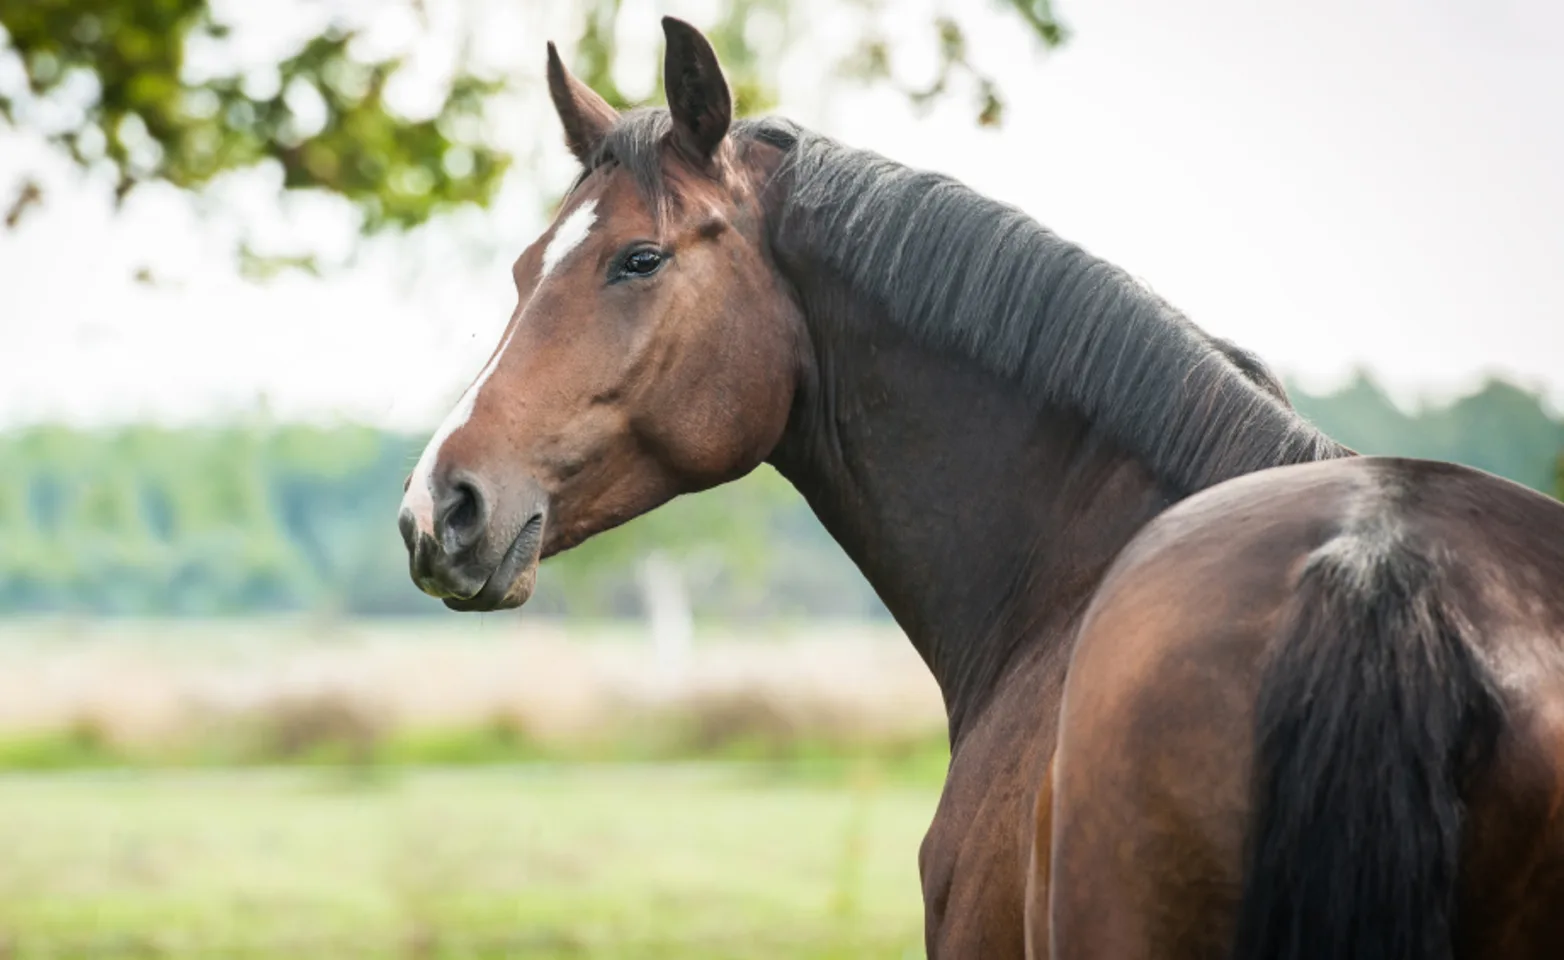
<point x="983" y="526"/>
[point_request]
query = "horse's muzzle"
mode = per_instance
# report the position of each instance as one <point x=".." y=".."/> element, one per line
<point x="481" y="552"/>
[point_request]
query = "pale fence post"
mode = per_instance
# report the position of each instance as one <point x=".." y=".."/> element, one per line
<point x="666" y="599"/>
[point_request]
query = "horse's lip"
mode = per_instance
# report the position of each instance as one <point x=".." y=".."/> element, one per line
<point x="522" y="550"/>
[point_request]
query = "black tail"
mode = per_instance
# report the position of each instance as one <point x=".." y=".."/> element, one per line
<point x="1372" y="713"/>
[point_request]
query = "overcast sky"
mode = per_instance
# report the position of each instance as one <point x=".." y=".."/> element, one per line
<point x="1333" y="184"/>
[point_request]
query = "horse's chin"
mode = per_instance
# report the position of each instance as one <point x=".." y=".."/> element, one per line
<point x="513" y="578"/>
<point x="494" y="598"/>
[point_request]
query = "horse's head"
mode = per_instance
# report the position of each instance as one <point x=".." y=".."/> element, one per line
<point x="653" y="350"/>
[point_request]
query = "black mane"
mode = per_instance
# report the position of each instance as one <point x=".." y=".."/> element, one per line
<point x="963" y="272"/>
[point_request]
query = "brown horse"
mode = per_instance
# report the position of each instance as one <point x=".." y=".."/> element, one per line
<point x="1215" y="686"/>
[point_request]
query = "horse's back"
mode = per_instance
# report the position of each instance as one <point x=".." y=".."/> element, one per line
<point x="1154" y="778"/>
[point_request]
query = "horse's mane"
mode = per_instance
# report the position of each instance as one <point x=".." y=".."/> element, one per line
<point x="963" y="272"/>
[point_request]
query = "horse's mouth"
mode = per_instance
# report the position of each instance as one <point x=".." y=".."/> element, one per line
<point x="511" y="581"/>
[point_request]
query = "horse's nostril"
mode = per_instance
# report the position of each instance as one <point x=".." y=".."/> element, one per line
<point x="460" y="523"/>
<point x="465" y="510"/>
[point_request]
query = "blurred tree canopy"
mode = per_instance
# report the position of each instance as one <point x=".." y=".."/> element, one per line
<point x="253" y="518"/>
<point x="117" y="76"/>
<point x="116" y="85"/>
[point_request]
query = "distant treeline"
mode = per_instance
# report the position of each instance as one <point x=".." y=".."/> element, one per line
<point x="1501" y="428"/>
<point x="256" y="518"/>
<point x="252" y="518"/>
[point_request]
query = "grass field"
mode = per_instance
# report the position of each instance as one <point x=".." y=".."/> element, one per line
<point x="612" y="862"/>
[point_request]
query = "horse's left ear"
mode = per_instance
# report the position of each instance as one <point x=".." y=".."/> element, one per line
<point x="697" y="94"/>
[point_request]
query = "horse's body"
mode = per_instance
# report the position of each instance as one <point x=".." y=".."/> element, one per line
<point x="1215" y="686"/>
<point x="1393" y="629"/>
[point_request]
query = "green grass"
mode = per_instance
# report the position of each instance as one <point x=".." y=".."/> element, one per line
<point x="320" y="737"/>
<point x="611" y="862"/>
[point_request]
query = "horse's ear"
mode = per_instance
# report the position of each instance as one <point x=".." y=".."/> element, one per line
<point x="698" y="96"/>
<point x="587" y="117"/>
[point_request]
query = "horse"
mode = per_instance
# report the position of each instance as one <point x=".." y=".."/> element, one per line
<point x="1216" y="685"/>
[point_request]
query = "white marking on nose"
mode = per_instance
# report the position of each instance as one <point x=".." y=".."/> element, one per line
<point x="419" y="499"/>
<point x="568" y="236"/>
<point x="420" y="493"/>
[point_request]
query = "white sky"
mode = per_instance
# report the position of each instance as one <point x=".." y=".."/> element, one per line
<point x="1333" y="184"/>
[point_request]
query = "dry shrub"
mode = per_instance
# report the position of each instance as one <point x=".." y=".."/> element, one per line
<point x="320" y="725"/>
<point x="761" y="721"/>
<point x="717" y="721"/>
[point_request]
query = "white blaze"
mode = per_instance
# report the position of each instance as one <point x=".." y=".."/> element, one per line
<point x="419" y="498"/>
<point x="568" y="236"/>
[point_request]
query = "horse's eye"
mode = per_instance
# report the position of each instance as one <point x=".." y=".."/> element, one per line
<point x="641" y="263"/>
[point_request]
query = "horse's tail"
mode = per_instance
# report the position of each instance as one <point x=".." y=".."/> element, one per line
<point x="1373" y="710"/>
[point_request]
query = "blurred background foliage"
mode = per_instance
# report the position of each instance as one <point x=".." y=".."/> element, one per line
<point x="129" y="87"/>
<point x="112" y="84"/>
<point x="259" y="517"/>
<point x="256" y="518"/>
